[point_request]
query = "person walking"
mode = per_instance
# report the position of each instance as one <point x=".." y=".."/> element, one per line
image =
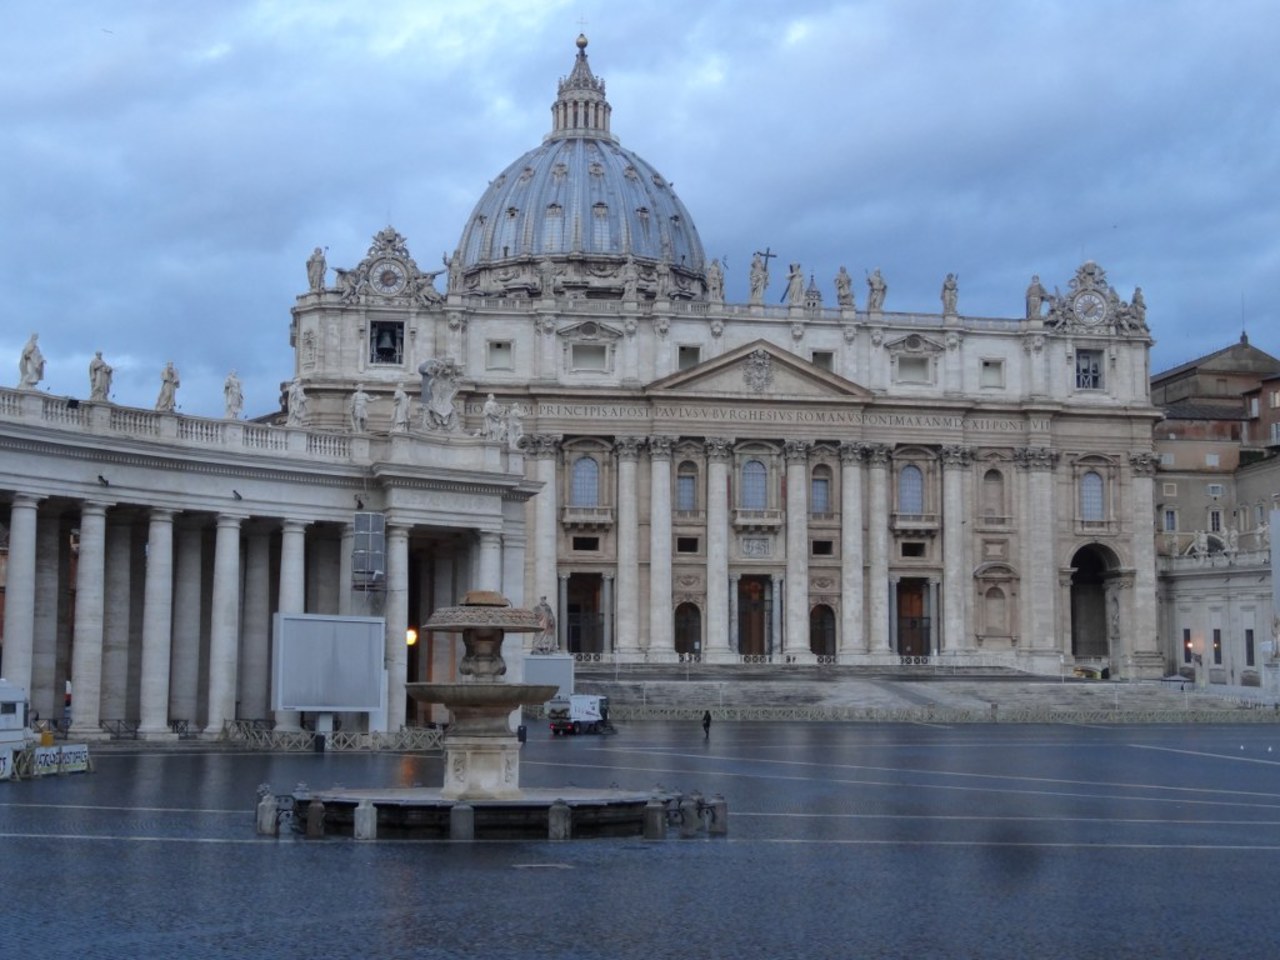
<point x="706" y="725"/>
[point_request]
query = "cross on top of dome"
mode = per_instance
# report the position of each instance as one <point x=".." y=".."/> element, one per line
<point x="580" y="107"/>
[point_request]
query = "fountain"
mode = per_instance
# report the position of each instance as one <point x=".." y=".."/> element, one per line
<point x="481" y="753"/>
<point x="481" y="795"/>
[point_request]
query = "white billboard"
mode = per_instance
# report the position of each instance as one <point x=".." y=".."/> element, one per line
<point x="324" y="664"/>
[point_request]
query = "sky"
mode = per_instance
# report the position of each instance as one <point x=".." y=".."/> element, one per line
<point x="168" y="165"/>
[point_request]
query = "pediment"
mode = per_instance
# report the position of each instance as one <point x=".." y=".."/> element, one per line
<point x="589" y="330"/>
<point x="914" y="343"/>
<point x="759" y="370"/>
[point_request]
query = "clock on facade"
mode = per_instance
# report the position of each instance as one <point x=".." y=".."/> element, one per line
<point x="387" y="277"/>
<point x="1089" y="307"/>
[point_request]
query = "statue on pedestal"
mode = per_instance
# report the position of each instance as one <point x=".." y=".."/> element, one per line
<point x="169" y="384"/>
<point x="316" y="269"/>
<point x="877" y="290"/>
<point x="759" y="279"/>
<point x="400" y="410"/>
<point x="99" y="378"/>
<point x="297" y="404"/>
<point x="1036" y="296"/>
<point x="30" y="365"/>
<point x="950" y="293"/>
<point x="358" y="409"/>
<point x="715" y="282"/>
<point x="233" y="396"/>
<point x="844" y="288"/>
<point x="795" y="285"/>
<point x="544" y="641"/>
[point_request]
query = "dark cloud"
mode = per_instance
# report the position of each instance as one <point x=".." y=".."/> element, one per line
<point x="168" y="167"/>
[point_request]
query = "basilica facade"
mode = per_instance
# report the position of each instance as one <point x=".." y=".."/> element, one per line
<point x="570" y="409"/>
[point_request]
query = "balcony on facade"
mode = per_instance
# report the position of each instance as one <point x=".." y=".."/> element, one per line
<point x="586" y="518"/>
<point x="689" y="518"/>
<point x="915" y="522"/>
<point x="757" y="519"/>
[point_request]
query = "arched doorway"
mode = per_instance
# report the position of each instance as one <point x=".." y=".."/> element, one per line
<point x="822" y="631"/>
<point x="1090" y="633"/>
<point x="689" y="631"/>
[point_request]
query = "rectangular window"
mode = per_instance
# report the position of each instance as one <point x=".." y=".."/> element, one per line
<point x="1166" y="459"/>
<point x="1186" y="644"/>
<point x="386" y="342"/>
<point x="1211" y="460"/>
<point x="1253" y="406"/>
<point x="992" y="373"/>
<point x="1088" y="369"/>
<point x="1214" y="489"/>
<point x="686" y="544"/>
<point x="587" y="544"/>
<point x="500" y="355"/>
<point x="1248" y="648"/>
<point x="689" y="357"/>
<point x="1275" y="433"/>
<point x="819" y="495"/>
<point x="912" y="548"/>
<point x="1274" y="399"/>
<point x="824" y="548"/>
<point x="1169" y="489"/>
<point x="1217" y="646"/>
<point x="590" y="356"/>
<point x="823" y="360"/>
<point x="913" y="369"/>
<point x="1170" y="521"/>
<point x="1215" y="521"/>
<point x="686" y="492"/>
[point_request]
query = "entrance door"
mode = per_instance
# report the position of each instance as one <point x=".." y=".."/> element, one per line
<point x="822" y="631"/>
<point x="753" y="616"/>
<point x="584" y="625"/>
<point x="689" y="631"/>
<point x="913" y="625"/>
<point x="1088" y="604"/>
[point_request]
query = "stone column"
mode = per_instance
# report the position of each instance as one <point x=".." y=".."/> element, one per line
<point x="115" y="618"/>
<point x="444" y="656"/>
<point x="935" y="641"/>
<point x="1143" y="629"/>
<point x="86" y="644"/>
<point x="628" y="619"/>
<point x="224" y="627"/>
<point x="490" y="577"/>
<point x="255" y="662"/>
<point x="345" y="569"/>
<point x="20" y="593"/>
<point x="545" y="450"/>
<point x="955" y="588"/>
<point x="735" y="640"/>
<point x="513" y="546"/>
<point x="893" y="612"/>
<point x="797" y="602"/>
<point x="878" y="537"/>
<point x="717" y="641"/>
<point x="852" y="593"/>
<point x="606" y="613"/>
<point x="1038" y="527"/>
<point x="50" y="581"/>
<point x="184" y="679"/>
<point x="397" y="614"/>
<point x="293" y="593"/>
<point x="662" y="638"/>
<point x="776" y="646"/>
<point x="157" y="628"/>
<point x="562" y="619"/>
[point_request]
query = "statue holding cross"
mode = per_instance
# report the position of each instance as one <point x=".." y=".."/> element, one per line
<point x="759" y="276"/>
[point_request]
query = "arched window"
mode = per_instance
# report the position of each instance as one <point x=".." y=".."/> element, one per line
<point x="755" y="486"/>
<point x="820" y="489"/>
<point x="996" y="615"/>
<point x="911" y="490"/>
<point x="687" y="486"/>
<point x="1092" y="506"/>
<point x="585" y="488"/>
<point x="993" y="494"/>
<point x="600" y="227"/>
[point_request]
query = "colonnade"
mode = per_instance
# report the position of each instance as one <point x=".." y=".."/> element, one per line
<point x="145" y="631"/>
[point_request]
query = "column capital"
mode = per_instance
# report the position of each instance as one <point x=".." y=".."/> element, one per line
<point x="628" y="448"/>
<point x="540" y="446"/>
<point x="231" y="520"/>
<point x="660" y="447"/>
<point x="289" y="523"/>
<point x="607" y="576"/>
<point x="563" y="577"/>
<point x="97" y="508"/>
<point x="163" y="514"/>
<point x="28" y="500"/>
<point x="796" y="451"/>
<point x="718" y="448"/>
<point x="877" y="454"/>
<point x="1143" y="463"/>
<point x="1036" y="458"/>
<point x="852" y="452"/>
<point x="488" y="536"/>
<point x="956" y="455"/>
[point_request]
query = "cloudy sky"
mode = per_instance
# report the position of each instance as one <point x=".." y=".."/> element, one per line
<point x="168" y="165"/>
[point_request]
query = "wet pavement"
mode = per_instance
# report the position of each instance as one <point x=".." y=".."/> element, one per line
<point x="845" y="840"/>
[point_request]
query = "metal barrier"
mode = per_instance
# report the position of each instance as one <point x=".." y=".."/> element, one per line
<point x="818" y="713"/>
<point x="255" y="734"/>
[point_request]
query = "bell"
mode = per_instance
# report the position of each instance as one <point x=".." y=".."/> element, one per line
<point x="386" y="341"/>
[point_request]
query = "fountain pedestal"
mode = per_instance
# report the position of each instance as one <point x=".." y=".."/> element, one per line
<point x="481" y="753"/>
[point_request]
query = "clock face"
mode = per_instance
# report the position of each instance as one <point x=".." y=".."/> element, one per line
<point x="387" y="277"/>
<point x="1089" y="307"/>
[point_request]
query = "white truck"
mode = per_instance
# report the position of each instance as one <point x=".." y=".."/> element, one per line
<point x="13" y="726"/>
<point x="578" y="713"/>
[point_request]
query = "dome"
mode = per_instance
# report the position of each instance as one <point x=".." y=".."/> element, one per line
<point x="574" y="211"/>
